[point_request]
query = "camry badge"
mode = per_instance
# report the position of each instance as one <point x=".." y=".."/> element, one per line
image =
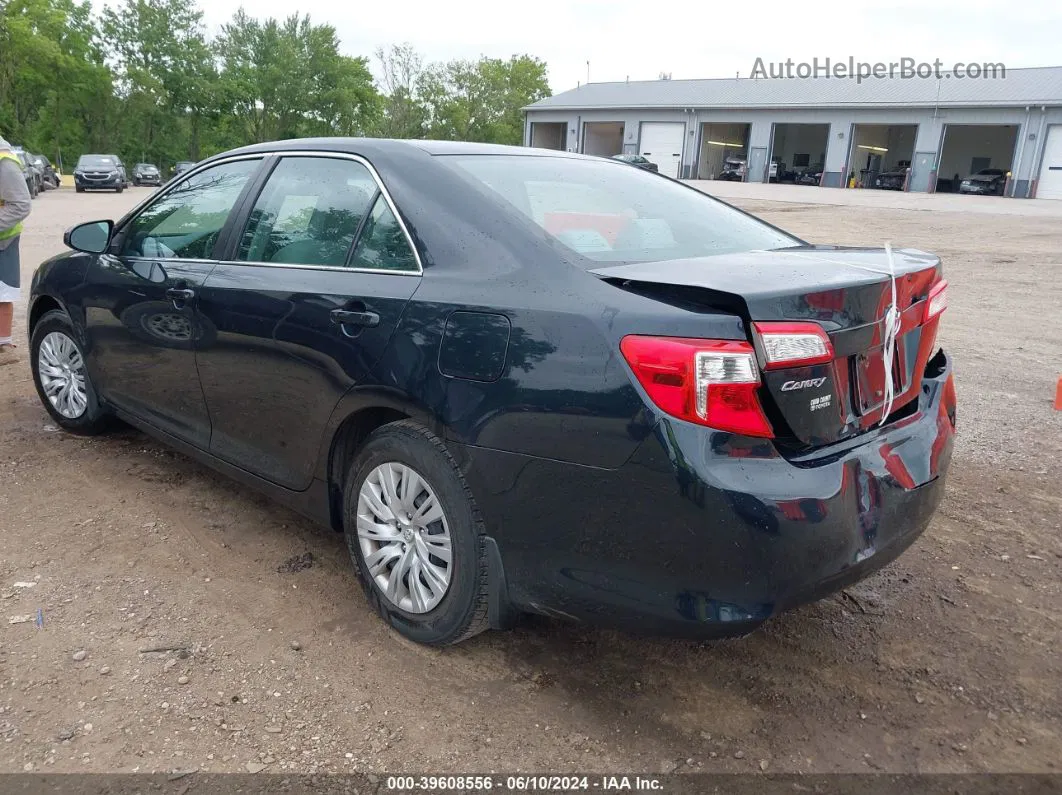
<point x="789" y="386"/>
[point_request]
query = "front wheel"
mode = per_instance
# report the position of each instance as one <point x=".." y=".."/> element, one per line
<point x="61" y="378"/>
<point x="415" y="536"/>
<point x="119" y="189"/>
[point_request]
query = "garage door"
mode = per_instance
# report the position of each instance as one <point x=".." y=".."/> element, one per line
<point x="1050" y="184"/>
<point x="661" y="143"/>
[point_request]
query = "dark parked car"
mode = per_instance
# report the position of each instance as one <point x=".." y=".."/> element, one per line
<point x="891" y="180"/>
<point x="99" y="172"/>
<point x="146" y="174"/>
<point x="29" y="168"/>
<point x="639" y="161"/>
<point x="812" y="175"/>
<point x="49" y="177"/>
<point x="516" y="379"/>
<point x="181" y="167"/>
<point x="987" y="182"/>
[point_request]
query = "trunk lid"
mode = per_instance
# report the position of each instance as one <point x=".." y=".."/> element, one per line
<point x="846" y="291"/>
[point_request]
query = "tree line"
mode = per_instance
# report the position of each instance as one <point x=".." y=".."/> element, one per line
<point x="144" y="80"/>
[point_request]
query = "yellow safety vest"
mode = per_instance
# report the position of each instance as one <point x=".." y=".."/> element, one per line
<point x="17" y="228"/>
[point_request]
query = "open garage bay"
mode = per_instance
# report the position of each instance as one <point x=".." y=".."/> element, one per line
<point x="970" y="149"/>
<point x="219" y="630"/>
<point x="881" y="155"/>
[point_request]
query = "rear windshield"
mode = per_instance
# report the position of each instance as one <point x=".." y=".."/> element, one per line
<point x="607" y="212"/>
<point x="96" y="161"/>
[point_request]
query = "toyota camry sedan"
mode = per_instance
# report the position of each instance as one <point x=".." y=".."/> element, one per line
<point x="517" y="380"/>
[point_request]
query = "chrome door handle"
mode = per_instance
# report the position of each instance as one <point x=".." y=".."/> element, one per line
<point x="345" y="317"/>
<point x="179" y="295"/>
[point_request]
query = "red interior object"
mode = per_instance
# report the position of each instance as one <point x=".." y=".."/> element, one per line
<point x="608" y="225"/>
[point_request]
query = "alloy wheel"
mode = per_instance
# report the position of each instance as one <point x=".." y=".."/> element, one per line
<point x="404" y="537"/>
<point x="62" y="372"/>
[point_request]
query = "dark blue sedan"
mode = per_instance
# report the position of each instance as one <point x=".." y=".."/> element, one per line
<point x="517" y="380"/>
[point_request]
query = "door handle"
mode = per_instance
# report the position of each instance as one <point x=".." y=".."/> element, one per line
<point x="180" y="294"/>
<point x="345" y="317"/>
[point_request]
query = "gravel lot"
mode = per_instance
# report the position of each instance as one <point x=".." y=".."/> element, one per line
<point x="171" y="641"/>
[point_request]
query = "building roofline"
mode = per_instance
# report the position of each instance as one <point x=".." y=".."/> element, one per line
<point x="1017" y="103"/>
<point x="1045" y="78"/>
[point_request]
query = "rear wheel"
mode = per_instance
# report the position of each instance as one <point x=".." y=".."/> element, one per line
<point x="61" y="378"/>
<point x="415" y="536"/>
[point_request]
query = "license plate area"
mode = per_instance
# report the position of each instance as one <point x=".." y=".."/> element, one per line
<point x="870" y="379"/>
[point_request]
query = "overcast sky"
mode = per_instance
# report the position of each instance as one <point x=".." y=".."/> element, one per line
<point x="695" y="39"/>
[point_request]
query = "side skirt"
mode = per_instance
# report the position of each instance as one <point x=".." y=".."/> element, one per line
<point x="311" y="503"/>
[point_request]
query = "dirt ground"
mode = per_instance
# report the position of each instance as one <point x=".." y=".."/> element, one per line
<point x="947" y="661"/>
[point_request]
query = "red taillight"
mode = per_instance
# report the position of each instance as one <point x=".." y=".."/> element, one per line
<point x="937" y="301"/>
<point x="709" y="382"/>
<point x="794" y="344"/>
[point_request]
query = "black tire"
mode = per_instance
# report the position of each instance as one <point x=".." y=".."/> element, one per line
<point x="462" y="612"/>
<point x="79" y="189"/>
<point x="119" y="189"/>
<point x="95" y="419"/>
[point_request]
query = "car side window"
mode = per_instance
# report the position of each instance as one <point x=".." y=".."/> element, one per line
<point x="308" y="212"/>
<point x="186" y="221"/>
<point x="383" y="244"/>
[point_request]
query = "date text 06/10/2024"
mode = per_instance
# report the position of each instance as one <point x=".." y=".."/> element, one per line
<point x="522" y="783"/>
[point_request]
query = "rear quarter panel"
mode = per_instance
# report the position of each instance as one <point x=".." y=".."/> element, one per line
<point x="564" y="392"/>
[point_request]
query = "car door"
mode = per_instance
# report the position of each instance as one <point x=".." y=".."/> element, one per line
<point x="139" y="301"/>
<point x="316" y="281"/>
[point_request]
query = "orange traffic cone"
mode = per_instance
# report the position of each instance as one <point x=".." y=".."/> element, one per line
<point x="1058" y="395"/>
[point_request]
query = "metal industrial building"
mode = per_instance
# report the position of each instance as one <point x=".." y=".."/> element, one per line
<point x="931" y="130"/>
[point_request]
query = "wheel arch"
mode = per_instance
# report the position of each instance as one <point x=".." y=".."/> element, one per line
<point x="43" y="304"/>
<point x="358" y="414"/>
<point x="372" y="410"/>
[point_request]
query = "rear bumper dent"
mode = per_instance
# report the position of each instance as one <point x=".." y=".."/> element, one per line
<point x="705" y="534"/>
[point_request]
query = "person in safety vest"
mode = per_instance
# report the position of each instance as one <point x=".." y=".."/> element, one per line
<point x="15" y="205"/>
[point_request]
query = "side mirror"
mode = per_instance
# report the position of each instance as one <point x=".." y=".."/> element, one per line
<point x="91" y="238"/>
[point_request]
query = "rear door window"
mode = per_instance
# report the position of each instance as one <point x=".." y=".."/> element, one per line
<point x="308" y="213"/>
<point x="383" y="244"/>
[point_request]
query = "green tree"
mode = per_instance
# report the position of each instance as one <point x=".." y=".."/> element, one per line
<point x="56" y="94"/>
<point x="143" y="80"/>
<point x="287" y="79"/>
<point x="165" y="76"/>
<point x="403" y="114"/>
<point x="482" y="100"/>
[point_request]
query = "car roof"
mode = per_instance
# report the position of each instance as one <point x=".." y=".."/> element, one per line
<point x="370" y="146"/>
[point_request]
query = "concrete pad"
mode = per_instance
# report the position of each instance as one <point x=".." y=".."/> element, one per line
<point x="884" y="199"/>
